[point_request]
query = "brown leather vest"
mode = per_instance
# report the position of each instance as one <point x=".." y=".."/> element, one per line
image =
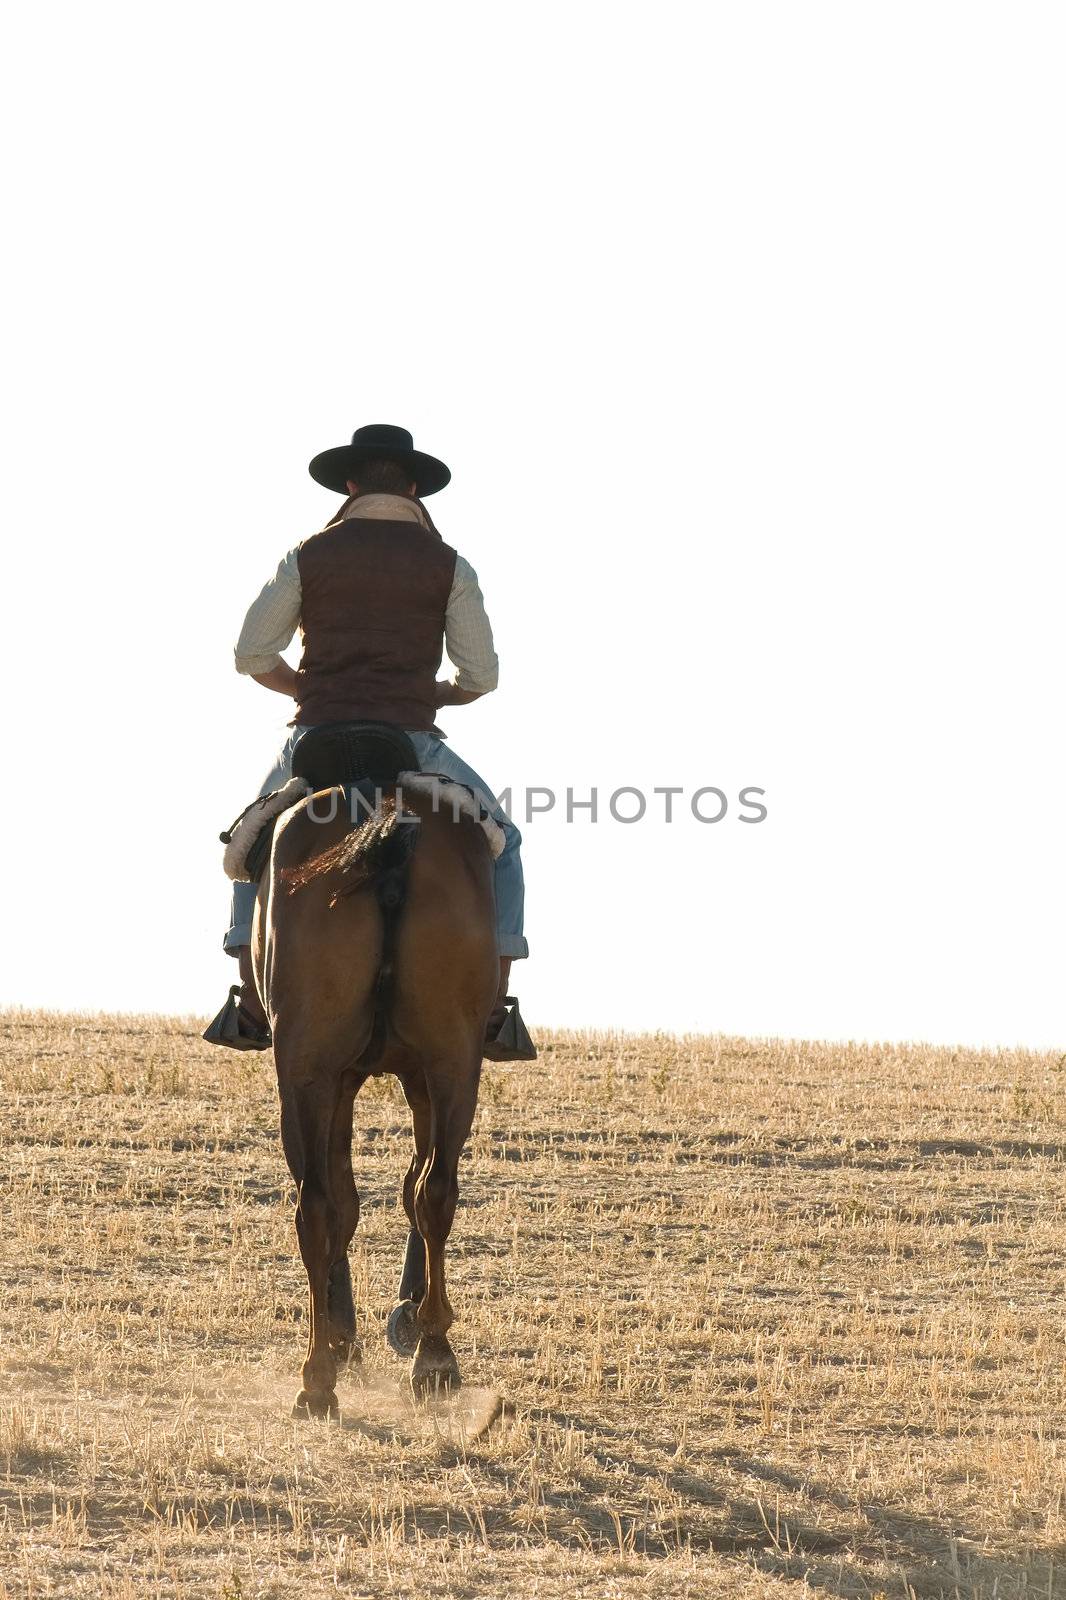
<point x="374" y="598"/>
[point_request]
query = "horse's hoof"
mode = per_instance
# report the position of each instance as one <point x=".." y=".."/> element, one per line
<point x="317" y="1407"/>
<point x="435" y="1371"/>
<point x="402" y="1331"/>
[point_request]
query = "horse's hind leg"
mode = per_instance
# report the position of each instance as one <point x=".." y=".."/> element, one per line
<point x="308" y="1112"/>
<point x="341" y="1306"/>
<point x="453" y="1098"/>
<point x="403" y="1330"/>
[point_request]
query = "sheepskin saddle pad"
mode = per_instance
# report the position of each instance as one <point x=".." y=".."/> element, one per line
<point x="364" y="759"/>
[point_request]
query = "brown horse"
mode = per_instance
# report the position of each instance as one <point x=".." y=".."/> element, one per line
<point x="375" y="952"/>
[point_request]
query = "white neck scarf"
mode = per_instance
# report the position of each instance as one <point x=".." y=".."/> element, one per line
<point x="387" y="508"/>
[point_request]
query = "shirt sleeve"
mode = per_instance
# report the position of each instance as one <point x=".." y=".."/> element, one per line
<point x="272" y="619"/>
<point x="468" y="633"/>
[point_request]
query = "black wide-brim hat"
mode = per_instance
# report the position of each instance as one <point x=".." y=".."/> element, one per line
<point x="376" y="442"/>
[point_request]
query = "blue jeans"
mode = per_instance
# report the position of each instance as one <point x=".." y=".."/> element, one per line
<point x="433" y="756"/>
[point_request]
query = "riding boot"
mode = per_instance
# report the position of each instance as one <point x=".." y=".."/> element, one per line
<point x="242" y="1023"/>
<point x="250" y="1001"/>
<point x="506" y="1038"/>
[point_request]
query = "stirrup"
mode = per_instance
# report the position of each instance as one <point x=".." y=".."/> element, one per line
<point x="234" y="1028"/>
<point x="511" y="1041"/>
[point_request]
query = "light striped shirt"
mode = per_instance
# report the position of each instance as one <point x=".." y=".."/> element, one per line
<point x="274" y="615"/>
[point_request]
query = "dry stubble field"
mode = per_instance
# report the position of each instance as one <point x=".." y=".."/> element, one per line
<point x="769" y="1319"/>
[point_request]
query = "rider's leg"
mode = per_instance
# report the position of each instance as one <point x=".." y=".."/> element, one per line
<point x="512" y="1043"/>
<point x="242" y="905"/>
<point x="238" y="938"/>
<point x="499" y="1010"/>
<point x="238" y="942"/>
<point x="250" y="1000"/>
<point x="436" y="756"/>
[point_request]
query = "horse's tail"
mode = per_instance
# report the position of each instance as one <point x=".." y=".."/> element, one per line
<point x="377" y="849"/>
<point x="378" y="852"/>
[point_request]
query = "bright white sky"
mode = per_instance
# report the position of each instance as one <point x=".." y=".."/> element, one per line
<point x="742" y="330"/>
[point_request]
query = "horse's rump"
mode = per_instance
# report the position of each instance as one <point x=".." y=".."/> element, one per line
<point x="377" y="910"/>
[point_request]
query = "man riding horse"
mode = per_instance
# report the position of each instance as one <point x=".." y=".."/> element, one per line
<point x="377" y="596"/>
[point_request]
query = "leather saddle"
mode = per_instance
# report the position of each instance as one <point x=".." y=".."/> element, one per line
<point x="360" y="756"/>
<point x="351" y="753"/>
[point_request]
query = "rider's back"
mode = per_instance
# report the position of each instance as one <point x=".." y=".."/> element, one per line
<point x="374" y="601"/>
